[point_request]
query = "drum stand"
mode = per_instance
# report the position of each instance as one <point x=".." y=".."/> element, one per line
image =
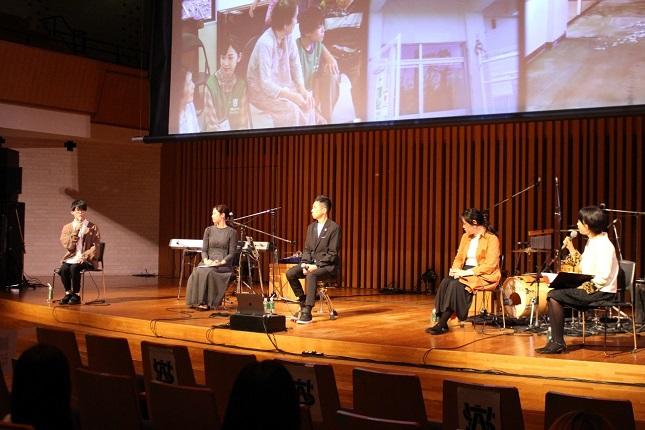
<point x="534" y="324"/>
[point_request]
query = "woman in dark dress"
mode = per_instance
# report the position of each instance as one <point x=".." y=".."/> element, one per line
<point x="476" y="266"/>
<point x="208" y="282"/>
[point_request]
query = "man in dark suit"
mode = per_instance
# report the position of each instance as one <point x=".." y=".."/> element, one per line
<point x="319" y="257"/>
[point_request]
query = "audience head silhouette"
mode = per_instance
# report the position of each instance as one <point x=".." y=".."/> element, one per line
<point x="581" y="420"/>
<point x="41" y="389"/>
<point x="264" y="396"/>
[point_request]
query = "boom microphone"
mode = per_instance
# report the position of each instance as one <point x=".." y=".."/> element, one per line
<point x="572" y="235"/>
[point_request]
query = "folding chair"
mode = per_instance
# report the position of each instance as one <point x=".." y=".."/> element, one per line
<point x="100" y="268"/>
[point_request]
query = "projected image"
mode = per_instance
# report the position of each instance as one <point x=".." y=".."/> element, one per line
<point x="290" y="63"/>
<point x="434" y="59"/>
<point x="278" y="64"/>
<point x="585" y="54"/>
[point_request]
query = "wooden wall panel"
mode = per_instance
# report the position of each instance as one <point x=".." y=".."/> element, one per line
<point x="397" y="193"/>
<point x="111" y="94"/>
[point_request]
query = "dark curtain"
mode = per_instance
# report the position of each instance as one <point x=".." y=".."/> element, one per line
<point x="160" y="66"/>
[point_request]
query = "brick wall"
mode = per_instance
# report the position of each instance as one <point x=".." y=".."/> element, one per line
<point x="119" y="181"/>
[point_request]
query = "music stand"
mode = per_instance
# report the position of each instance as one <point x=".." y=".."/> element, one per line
<point x="566" y="280"/>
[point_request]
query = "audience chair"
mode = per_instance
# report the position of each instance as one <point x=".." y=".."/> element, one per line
<point x="169" y="364"/>
<point x="12" y="426"/>
<point x="346" y="420"/>
<point x="111" y="355"/>
<point x="628" y="269"/>
<point x="97" y="269"/>
<point x="65" y="340"/>
<point x="404" y="399"/>
<point x="618" y="412"/>
<point x="494" y="295"/>
<point x="108" y="401"/>
<point x="456" y="404"/>
<point x="5" y="396"/>
<point x="305" y="418"/>
<point x="182" y="407"/>
<point x="321" y="378"/>
<point x="220" y="371"/>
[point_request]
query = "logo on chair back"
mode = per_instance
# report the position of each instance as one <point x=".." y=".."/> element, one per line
<point x="478" y="409"/>
<point x="162" y="363"/>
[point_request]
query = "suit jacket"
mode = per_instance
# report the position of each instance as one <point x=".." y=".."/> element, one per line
<point x="487" y="273"/>
<point x="322" y="251"/>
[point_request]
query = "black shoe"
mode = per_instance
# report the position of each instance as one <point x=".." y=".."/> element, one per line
<point x="65" y="300"/>
<point x="305" y="315"/>
<point x="437" y="329"/>
<point x="75" y="299"/>
<point x="552" y="348"/>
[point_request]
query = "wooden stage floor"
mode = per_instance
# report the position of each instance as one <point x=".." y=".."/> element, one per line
<point x="373" y="330"/>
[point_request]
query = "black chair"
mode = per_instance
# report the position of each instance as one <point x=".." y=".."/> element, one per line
<point x="99" y="268"/>
<point x="489" y="297"/>
<point x="625" y="281"/>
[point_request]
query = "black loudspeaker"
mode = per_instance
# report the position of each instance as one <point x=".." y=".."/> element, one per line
<point x="258" y="323"/>
<point x="12" y="256"/>
<point x="10" y="175"/>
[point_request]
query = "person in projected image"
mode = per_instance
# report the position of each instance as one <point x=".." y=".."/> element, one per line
<point x="597" y="259"/>
<point x="225" y="102"/>
<point x="302" y="6"/>
<point x="476" y="266"/>
<point x="274" y="75"/>
<point x="188" y="121"/>
<point x="319" y="67"/>
<point x="208" y="282"/>
<point x="346" y="38"/>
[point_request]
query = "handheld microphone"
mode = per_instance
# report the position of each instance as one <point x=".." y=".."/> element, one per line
<point x="572" y="235"/>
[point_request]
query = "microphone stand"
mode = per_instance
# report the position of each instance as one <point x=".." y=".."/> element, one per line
<point x="254" y="254"/>
<point x="512" y="196"/>
<point x="557" y="223"/>
<point x="534" y="325"/>
<point x="537" y="182"/>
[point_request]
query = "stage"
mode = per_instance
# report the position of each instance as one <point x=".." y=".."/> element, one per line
<point x="372" y="330"/>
